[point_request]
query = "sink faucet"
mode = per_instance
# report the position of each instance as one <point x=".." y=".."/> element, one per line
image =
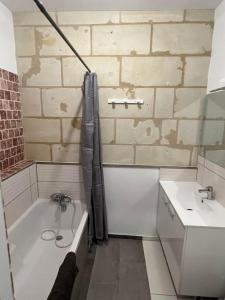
<point x="210" y="192"/>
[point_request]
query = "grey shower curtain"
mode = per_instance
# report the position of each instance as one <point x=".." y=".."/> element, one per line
<point x="91" y="161"/>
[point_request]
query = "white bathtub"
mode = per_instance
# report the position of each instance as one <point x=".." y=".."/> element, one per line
<point x="35" y="262"/>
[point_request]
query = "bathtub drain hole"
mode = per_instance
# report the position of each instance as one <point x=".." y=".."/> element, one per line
<point x="59" y="237"/>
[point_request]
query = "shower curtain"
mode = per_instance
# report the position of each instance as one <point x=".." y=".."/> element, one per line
<point x="91" y="161"/>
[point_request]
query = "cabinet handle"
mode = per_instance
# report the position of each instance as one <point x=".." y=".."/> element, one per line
<point x="165" y="200"/>
<point x="171" y="211"/>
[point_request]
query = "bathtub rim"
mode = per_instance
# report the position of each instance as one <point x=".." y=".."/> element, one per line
<point x="79" y="233"/>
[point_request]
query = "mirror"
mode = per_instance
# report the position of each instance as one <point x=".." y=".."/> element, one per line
<point x="212" y="132"/>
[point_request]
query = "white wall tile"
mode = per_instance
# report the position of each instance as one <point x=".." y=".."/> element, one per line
<point x="15" y="185"/>
<point x="59" y="173"/>
<point x="200" y="174"/>
<point x="17" y="207"/>
<point x="19" y="192"/>
<point x="178" y="174"/>
<point x="34" y="192"/>
<point x="46" y="189"/>
<point x="33" y="174"/>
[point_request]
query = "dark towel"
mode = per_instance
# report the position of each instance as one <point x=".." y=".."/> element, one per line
<point x="63" y="285"/>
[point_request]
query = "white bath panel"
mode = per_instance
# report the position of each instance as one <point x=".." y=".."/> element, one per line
<point x="131" y="200"/>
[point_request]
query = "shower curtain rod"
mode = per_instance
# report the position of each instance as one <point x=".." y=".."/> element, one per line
<point x="44" y="11"/>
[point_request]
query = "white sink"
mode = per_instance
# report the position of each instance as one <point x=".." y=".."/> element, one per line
<point x="192" y="211"/>
<point x="196" y="203"/>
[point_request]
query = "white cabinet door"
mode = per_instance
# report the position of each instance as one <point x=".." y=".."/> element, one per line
<point x="204" y="264"/>
<point x="174" y="246"/>
<point x="172" y="233"/>
<point x="162" y="217"/>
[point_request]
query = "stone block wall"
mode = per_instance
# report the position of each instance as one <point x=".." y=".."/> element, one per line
<point x="161" y="57"/>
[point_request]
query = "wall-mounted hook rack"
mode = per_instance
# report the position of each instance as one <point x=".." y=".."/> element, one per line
<point x="125" y="101"/>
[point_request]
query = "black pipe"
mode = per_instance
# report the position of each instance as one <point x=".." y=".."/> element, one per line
<point x="44" y="11"/>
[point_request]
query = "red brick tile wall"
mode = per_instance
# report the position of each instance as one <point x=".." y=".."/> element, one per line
<point x="11" y="129"/>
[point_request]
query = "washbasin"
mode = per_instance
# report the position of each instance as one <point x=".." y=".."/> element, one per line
<point x="196" y="202"/>
<point x="191" y="208"/>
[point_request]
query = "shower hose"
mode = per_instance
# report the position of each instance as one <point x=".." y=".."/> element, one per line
<point x="56" y="233"/>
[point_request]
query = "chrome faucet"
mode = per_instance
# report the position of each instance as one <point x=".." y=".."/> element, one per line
<point x="62" y="199"/>
<point x="210" y="193"/>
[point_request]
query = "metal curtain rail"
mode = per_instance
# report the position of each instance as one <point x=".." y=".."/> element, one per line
<point x="44" y="11"/>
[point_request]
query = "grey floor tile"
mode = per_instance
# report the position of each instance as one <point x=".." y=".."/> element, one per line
<point x="119" y="272"/>
<point x="86" y="277"/>
<point x="102" y="292"/>
<point x="133" y="282"/>
<point x="106" y="264"/>
<point x="131" y="251"/>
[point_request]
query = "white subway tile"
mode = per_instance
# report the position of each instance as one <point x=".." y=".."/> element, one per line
<point x="17" y="207"/>
<point x="59" y="173"/>
<point x="178" y="174"/>
<point x="46" y="189"/>
<point x="15" y="185"/>
<point x="33" y="174"/>
<point x="34" y="192"/>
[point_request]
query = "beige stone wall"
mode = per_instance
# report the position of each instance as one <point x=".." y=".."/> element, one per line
<point x="161" y="57"/>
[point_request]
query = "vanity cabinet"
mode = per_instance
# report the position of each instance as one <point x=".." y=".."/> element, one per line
<point x="195" y="255"/>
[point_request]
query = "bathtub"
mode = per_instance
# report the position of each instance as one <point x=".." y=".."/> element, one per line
<point x="35" y="262"/>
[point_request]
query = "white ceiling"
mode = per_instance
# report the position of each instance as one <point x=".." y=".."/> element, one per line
<point x="54" y="5"/>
